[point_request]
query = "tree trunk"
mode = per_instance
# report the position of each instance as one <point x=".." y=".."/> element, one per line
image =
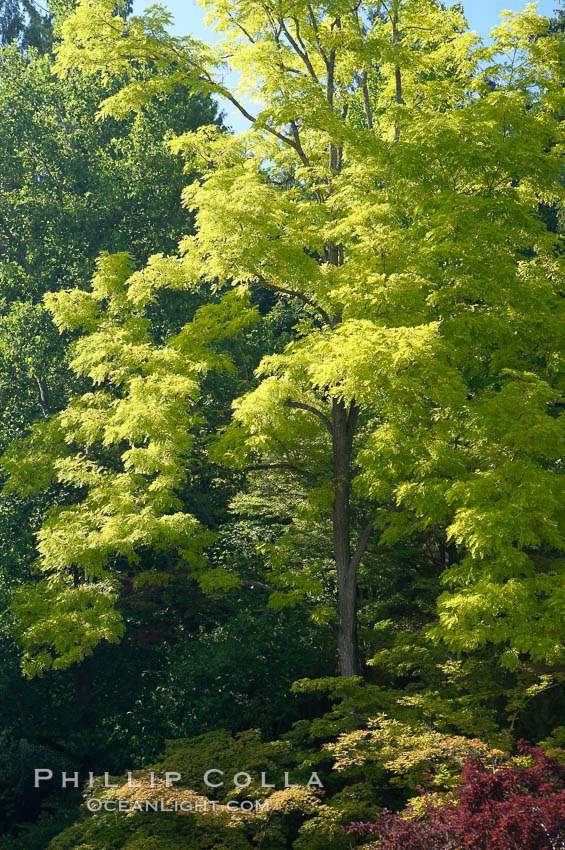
<point x="344" y="422"/>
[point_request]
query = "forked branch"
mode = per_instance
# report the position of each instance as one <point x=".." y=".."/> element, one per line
<point x="309" y="408"/>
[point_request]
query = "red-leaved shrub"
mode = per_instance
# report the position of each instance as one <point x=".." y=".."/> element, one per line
<point x="519" y="806"/>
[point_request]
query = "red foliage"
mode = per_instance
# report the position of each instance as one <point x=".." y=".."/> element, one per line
<point x="513" y="808"/>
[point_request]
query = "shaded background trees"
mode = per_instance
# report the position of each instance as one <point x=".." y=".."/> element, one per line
<point x="25" y="23"/>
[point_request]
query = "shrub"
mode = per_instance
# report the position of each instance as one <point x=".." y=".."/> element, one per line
<point x="519" y="806"/>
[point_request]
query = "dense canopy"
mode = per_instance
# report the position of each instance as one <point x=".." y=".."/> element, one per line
<point x="283" y="425"/>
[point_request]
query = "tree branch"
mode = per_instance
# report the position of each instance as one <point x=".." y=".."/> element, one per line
<point x="367" y="101"/>
<point x="309" y="408"/>
<point x="286" y="139"/>
<point x="257" y="467"/>
<point x="314" y="23"/>
<point x="43" y="396"/>
<point x="397" y="76"/>
<point x="302" y="53"/>
<point x="298" y="144"/>
<point x="330" y="64"/>
<point x="251" y="582"/>
<point x="301" y="297"/>
<point x="361" y="545"/>
<point x="242" y="28"/>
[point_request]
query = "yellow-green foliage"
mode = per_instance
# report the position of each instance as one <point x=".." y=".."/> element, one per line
<point x="123" y="449"/>
<point x="390" y="183"/>
<point x="309" y="818"/>
<point x="215" y="827"/>
<point x="410" y="752"/>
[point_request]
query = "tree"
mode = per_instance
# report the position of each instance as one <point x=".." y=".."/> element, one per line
<point x="298" y="265"/>
<point x="412" y="240"/>
<point x="128" y="444"/>
<point x="558" y="21"/>
<point x="26" y="23"/>
<point x="70" y="187"/>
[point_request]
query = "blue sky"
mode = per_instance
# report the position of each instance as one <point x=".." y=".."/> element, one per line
<point x="189" y="18"/>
